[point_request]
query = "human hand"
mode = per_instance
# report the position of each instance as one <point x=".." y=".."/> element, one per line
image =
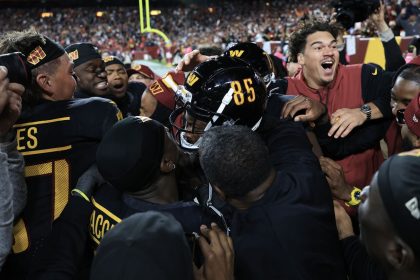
<point x="378" y="18"/>
<point x="313" y="109"/>
<point x="190" y="61"/>
<point x="219" y="257"/>
<point x="10" y="102"/>
<point x="335" y="177"/>
<point x="342" y="221"/>
<point x="344" y="120"/>
<point x="88" y="183"/>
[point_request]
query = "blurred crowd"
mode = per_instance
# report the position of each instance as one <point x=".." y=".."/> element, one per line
<point x="117" y="28"/>
<point x="227" y="167"/>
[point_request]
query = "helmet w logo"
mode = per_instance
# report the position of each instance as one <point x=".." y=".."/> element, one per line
<point x="236" y="53"/>
<point x="36" y="56"/>
<point x="192" y="79"/>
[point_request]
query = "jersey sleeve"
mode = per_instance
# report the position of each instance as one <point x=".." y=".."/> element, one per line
<point x="361" y="138"/>
<point x="376" y="88"/>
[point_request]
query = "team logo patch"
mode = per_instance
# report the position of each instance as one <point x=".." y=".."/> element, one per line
<point x="108" y="59"/>
<point x="74" y="55"/>
<point x="155" y="88"/>
<point x="36" y="56"/>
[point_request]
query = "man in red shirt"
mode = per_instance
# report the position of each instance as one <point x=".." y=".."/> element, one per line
<point x="353" y="95"/>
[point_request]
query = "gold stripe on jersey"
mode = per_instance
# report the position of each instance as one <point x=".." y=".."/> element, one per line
<point x="97" y="241"/>
<point x="105" y="211"/>
<point x="38" y="170"/>
<point x="59" y="169"/>
<point x="101" y="220"/>
<point x="45" y="151"/>
<point x="42" y="122"/>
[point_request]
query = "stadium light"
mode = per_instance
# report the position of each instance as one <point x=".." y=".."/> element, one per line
<point x="155" y="12"/>
<point x="100" y="14"/>
<point x="46" y="14"/>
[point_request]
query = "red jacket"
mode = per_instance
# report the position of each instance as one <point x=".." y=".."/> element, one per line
<point x="345" y="92"/>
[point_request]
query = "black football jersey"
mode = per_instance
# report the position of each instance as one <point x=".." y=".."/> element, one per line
<point x="58" y="140"/>
<point x="110" y="206"/>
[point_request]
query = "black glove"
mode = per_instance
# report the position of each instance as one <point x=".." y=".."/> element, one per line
<point x="88" y="183"/>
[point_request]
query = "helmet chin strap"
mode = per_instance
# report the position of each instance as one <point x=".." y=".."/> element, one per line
<point x="256" y="125"/>
<point x="225" y="101"/>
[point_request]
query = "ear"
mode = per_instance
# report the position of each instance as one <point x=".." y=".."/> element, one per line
<point x="301" y="58"/>
<point x="167" y="165"/>
<point x="399" y="255"/>
<point x="44" y="83"/>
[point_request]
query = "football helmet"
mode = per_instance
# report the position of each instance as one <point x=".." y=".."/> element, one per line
<point x="255" y="56"/>
<point x="220" y="91"/>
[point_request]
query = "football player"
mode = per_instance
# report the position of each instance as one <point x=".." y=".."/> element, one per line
<point x="89" y="69"/>
<point x="57" y="136"/>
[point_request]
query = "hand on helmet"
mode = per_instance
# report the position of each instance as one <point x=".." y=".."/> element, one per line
<point x="190" y="61"/>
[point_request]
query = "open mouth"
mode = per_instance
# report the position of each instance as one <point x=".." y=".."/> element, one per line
<point x="118" y="86"/>
<point x="327" y="65"/>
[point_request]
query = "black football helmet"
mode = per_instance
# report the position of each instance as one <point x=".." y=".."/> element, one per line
<point x="220" y="91"/>
<point x="255" y="56"/>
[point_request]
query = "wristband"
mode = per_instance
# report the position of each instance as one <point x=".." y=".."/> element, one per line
<point x="78" y="192"/>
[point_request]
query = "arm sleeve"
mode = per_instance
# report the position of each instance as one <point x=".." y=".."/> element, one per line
<point x="16" y="166"/>
<point x="12" y="192"/>
<point x="359" y="140"/>
<point x="113" y="115"/>
<point x="393" y="54"/>
<point x="376" y="88"/>
<point x="359" y="265"/>
<point x="66" y="249"/>
<point x="6" y="210"/>
<point x="288" y="144"/>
